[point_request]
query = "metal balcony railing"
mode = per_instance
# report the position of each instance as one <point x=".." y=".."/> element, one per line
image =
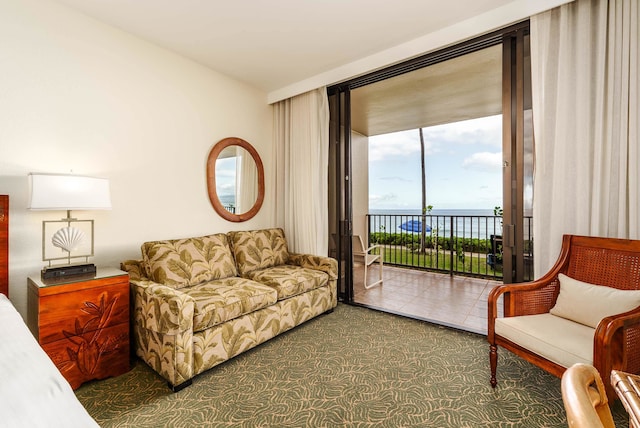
<point x="458" y="244"/>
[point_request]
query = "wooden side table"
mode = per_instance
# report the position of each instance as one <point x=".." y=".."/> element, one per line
<point x="82" y="323"/>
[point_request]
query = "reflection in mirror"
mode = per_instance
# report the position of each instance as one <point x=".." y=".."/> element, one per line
<point x="235" y="179"/>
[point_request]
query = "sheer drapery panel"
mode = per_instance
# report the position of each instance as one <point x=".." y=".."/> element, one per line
<point x="301" y="127"/>
<point x="584" y="63"/>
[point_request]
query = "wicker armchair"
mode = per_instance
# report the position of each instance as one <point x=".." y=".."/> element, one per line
<point x="616" y="338"/>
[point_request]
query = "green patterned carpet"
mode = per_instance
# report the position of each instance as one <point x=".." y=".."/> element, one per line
<point x="352" y="368"/>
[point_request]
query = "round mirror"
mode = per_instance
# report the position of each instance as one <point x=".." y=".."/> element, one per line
<point x="235" y="179"/>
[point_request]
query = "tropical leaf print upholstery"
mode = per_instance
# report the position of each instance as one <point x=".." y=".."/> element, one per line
<point x="259" y="249"/>
<point x="290" y="280"/>
<point x="134" y="268"/>
<point x="225" y="299"/>
<point x="216" y="345"/>
<point x="327" y="265"/>
<point x="193" y="310"/>
<point x="183" y="262"/>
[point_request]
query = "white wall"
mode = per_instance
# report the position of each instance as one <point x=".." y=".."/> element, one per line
<point x="78" y="96"/>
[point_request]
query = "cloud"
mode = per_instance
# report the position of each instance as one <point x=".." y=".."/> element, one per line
<point x="486" y="131"/>
<point x="226" y="188"/>
<point x="483" y="161"/>
<point x="404" y="144"/>
<point x="378" y="199"/>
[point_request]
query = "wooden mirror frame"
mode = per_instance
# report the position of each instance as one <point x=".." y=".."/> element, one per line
<point x="211" y="179"/>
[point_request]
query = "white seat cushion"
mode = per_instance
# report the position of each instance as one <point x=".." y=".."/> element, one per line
<point x="557" y="339"/>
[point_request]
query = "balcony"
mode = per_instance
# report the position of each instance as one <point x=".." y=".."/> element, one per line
<point x="455" y="301"/>
<point x="443" y="275"/>
<point x="466" y="245"/>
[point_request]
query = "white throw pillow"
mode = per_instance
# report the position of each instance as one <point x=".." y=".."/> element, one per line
<point x="587" y="303"/>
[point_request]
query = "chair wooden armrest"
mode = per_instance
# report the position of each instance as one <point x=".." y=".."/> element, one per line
<point x="534" y="297"/>
<point x="614" y="343"/>
<point x="525" y="298"/>
<point x="536" y="288"/>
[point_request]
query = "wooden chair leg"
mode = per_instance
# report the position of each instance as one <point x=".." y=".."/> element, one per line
<point x="493" y="359"/>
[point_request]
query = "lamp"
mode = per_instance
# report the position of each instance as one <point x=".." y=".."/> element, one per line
<point x="67" y="192"/>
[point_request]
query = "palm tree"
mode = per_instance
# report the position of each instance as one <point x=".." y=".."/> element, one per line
<point x="423" y="241"/>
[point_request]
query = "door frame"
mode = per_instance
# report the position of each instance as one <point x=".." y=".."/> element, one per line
<point x="514" y="102"/>
<point x="340" y="209"/>
<point x="340" y="199"/>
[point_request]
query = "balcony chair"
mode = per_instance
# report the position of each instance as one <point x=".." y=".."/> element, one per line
<point x="367" y="258"/>
<point x="585" y="398"/>
<point x="586" y="309"/>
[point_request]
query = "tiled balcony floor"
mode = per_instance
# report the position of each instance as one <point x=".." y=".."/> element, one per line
<point x="457" y="301"/>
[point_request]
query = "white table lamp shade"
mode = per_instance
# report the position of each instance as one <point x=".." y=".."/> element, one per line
<point x="68" y="192"/>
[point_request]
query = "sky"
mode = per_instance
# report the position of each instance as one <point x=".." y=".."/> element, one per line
<point x="462" y="162"/>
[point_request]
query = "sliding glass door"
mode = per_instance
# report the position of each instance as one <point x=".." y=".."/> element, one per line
<point x="340" y="206"/>
<point x="517" y="150"/>
<point x="517" y="162"/>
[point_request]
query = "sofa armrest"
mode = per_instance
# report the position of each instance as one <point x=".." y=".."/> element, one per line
<point x="162" y="309"/>
<point x="134" y="268"/>
<point x="325" y="264"/>
<point x="158" y="307"/>
<point x="162" y="325"/>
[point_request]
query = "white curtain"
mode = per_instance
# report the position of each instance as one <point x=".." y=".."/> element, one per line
<point x="584" y="65"/>
<point x="247" y="181"/>
<point x="301" y="126"/>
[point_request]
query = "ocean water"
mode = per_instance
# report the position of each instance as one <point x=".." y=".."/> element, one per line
<point x="465" y="223"/>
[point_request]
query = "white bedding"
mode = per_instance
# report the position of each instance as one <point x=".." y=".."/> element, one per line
<point x="33" y="393"/>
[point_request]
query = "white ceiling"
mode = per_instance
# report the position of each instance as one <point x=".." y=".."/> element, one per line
<point x="462" y="88"/>
<point x="272" y="44"/>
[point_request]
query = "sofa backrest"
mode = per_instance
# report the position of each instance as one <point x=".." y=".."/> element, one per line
<point x="180" y="263"/>
<point x="258" y="249"/>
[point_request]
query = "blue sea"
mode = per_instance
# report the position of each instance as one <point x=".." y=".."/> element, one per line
<point x="465" y="223"/>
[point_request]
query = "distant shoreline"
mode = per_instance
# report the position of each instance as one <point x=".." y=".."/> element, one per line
<point x="468" y="223"/>
<point x="434" y="212"/>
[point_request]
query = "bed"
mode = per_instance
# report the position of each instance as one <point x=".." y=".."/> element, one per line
<point x="33" y="393"/>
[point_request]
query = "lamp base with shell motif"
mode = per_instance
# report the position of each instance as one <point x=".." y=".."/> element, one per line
<point x="74" y="240"/>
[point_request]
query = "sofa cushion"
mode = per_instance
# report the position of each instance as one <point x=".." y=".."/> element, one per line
<point x="557" y="339"/>
<point x="225" y="299"/>
<point x="184" y="262"/>
<point x="258" y="249"/>
<point x="290" y="280"/>
<point x="588" y="303"/>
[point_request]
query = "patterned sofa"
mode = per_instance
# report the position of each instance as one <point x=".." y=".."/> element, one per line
<point x="201" y="301"/>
